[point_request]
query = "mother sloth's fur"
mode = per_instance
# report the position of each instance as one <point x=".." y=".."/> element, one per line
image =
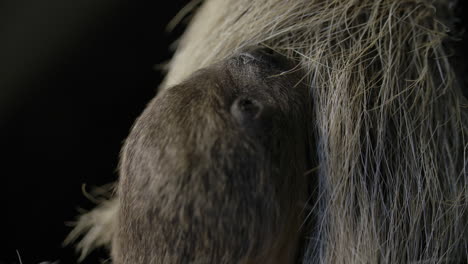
<point x="389" y="113"/>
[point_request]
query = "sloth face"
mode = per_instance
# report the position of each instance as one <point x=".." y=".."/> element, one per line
<point x="213" y="170"/>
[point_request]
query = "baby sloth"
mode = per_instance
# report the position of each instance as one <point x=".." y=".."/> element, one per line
<point x="213" y="171"/>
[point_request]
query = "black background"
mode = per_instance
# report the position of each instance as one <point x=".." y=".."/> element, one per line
<point x="74" y="75"/>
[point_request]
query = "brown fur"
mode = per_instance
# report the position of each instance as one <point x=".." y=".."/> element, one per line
<point x="206" y="180"/>
<point x="390" y="120"/>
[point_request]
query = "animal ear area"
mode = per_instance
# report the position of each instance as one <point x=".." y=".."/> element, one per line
<point x="252" y="113"/>
<point x="246" y="109"/>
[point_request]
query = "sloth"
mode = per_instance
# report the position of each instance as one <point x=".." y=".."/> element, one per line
<point x="208" y="168"/>
<point x="378" y="173"/>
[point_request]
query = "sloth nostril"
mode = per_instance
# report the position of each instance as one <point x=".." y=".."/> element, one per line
<point x="247" y="58"/>
<point x="266" y="54"/>
<point x="268" y="51"/>
<point x="264" y="57"/>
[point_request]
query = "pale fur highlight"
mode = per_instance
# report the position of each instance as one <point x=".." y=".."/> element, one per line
<point x="391" y="127"/>
<point x="97" y="227"/>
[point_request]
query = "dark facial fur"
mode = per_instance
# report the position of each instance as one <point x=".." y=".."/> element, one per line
<point x="214" y="169"/>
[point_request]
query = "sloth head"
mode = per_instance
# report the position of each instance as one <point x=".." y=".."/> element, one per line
<point x="213" y="170"/>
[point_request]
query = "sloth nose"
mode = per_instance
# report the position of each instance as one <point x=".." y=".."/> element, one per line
<point x="245" y="109"/>
<point x="263" y="55"/>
